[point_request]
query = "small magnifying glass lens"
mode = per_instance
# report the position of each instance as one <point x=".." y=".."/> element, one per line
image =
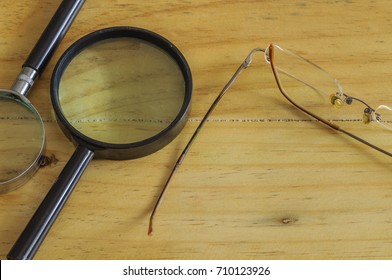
<point x="21" y="137"/>
<point x="121" y="90"/>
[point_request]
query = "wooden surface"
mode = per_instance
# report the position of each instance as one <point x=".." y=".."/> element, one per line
<point x="262" y="181"/>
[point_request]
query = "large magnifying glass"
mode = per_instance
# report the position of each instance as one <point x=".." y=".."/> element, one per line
<point x="118" y="93"/>
<point x="22" y="132"/>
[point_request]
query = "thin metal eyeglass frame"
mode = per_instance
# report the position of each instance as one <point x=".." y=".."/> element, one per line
<point x="338" y="99"/>
<point x="322" y="120"/>
<point x="245" y="64"/>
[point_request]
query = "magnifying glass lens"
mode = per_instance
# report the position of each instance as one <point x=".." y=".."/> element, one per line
<point x="121" y="90"/>
<point x="21" y="137"/>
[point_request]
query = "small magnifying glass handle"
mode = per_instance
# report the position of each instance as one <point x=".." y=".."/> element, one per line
<point x="53" y="34"/>
<point x="47" y="44"/>
<point x="34" y="233"/>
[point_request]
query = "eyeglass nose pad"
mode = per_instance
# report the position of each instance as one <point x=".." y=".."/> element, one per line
<point x="336" y="100"/>
<point x="367" y="116"/>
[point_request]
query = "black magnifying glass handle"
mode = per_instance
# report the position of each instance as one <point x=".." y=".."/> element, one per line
<point x="39" y="225"/>
<point x="47" y="44"/>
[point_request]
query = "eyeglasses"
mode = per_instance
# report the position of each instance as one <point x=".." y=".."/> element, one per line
<point x="310" y="89"/>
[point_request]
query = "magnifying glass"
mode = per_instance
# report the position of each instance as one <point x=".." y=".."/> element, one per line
<point x="22" y="132"/>
<point x="118" y="93"/>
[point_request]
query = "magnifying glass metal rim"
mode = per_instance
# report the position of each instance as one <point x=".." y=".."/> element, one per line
<point x="23" y="177"/>
<point x="127" y="150"/>
<point x="32" y="68"/>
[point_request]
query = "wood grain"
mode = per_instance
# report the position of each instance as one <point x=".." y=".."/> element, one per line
<point x="262" y="181"/>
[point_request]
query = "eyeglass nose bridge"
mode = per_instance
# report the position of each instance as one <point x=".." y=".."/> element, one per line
<point x="339" y="99"/>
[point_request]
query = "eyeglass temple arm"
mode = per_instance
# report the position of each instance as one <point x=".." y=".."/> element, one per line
<point x="328" y="123"/>
<point x="245" y="64"/>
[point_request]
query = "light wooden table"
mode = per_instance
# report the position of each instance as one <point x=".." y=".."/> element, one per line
<point x="262" y="181"/>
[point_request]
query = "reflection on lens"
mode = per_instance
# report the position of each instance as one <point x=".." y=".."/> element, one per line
<point x="311" y="87"/>
<point x="303" y="72"/>
<point x="121" y="91"/>
<point x="21" y="137"/>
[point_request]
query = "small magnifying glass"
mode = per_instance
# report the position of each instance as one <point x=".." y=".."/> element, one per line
<point x="118" y="93"/>
<point x="22" y="131"/>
